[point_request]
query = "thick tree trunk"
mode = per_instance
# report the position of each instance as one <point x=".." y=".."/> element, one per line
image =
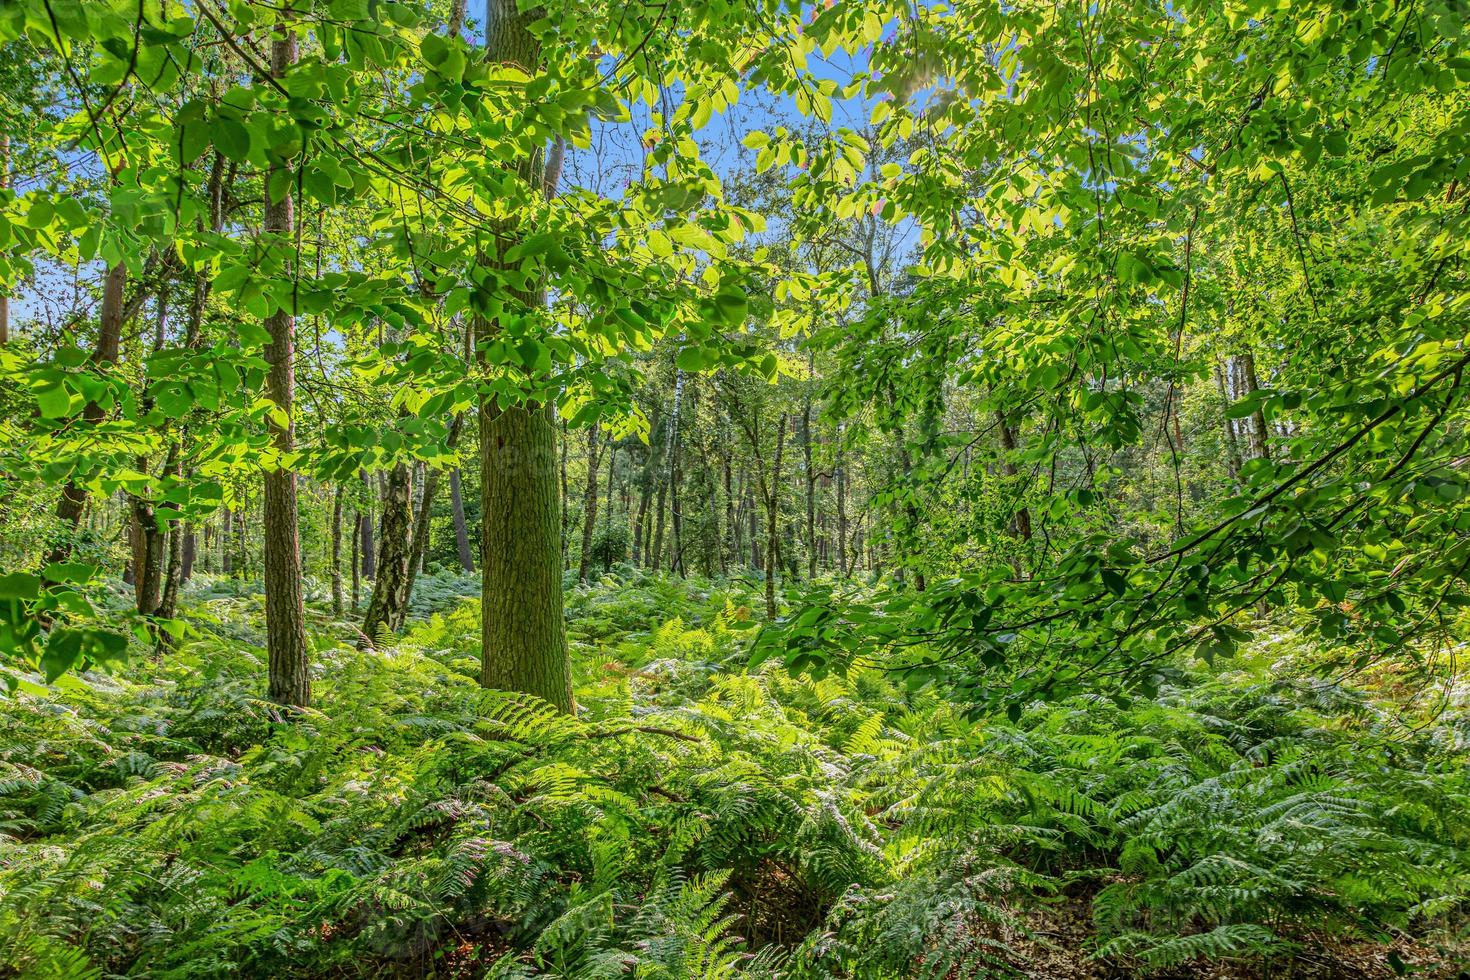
<point x="523" y="638"/>
<point x="589" y="504"/>
<point x="290" y="681"/>
<point x="337" y="551"/>
<point x="1021" y="523"/>
<point x="388" y="606"/>
<point x="461" y="530"/>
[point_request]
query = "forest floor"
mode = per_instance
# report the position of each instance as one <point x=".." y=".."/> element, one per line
<point x="701" y="819"/>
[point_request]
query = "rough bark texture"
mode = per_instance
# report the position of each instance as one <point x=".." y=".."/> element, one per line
<point x="461" y="529"/>
<point x="388" y="606"/>
<point x="290" y="682"/>
<point x="523" y="638"/>
<point x="841" y="474"/>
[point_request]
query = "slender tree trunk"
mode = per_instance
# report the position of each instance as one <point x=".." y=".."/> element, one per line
<point x="1259" y="445"/>
<point x="609" y="509"/>
<point x="676" y="516"/>
<point x="461" y="531"/>
<point x="356" y="563"/>
<point x="290" y="681"/>
<point x="191" y="552"/>
<point x="388" y="606"/>
<point x="1232" y="444"/>
<point x="772" y="491"/>
<point x="523" y="638"/>
<point x="365" y="532"/>
<point x="841" y="490"/>
<point x="589" y="503"/>
<point x="566" y="498"/>
<point x="428" y="492"/>
<point x="226" y="543"/>
<point x="337" y="551"/>
<point x="811" y="488"/>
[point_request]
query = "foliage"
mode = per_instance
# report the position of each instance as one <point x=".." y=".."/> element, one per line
<point x="168" y="824"/>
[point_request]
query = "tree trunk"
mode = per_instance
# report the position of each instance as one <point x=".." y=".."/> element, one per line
<point x="1232" y="444"/>
<point x="337" y="551"/>
<point x="1260" y="447"/>
<point x="191" y="552"/>
<point x="365" y="531"/>
<point x="589" y="504"/>
<point x="676" y="517"/>
<point x="772" y="491"/>
<point x="523" y="636"/>
<point x="290" y="682"/>
<point x="841" y="490"/>
<point x="427" y="492"/>
<point x="226" y="542"/>
<point x="811" y="486"/>
<point x="356" y="563"/>
<point x="461" y="531"/>
<point x="388" y="606"/>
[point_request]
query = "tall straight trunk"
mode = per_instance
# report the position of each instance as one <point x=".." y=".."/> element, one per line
<point x="285" y="618"/>
<point x="756" y="561"/>
<point x="811" y="487"/>
<point x="1232" y="443"/>
<point x="676" y="517"/>
<point x="429" y="489"/>
<point x="609" y="510"/>
<point x="589" y="503"/>
<point x="388" y="606"/>
<point x="653" y="557"/>
<point x="356" y="564"/>
<point x="1260" y="447"/>
<point x="337" y="551"/>
<point x="730" y="540"/>
<point x="365" y="531"/>
<point x="461" y="530"/>
<point x="645" y="490"/>
<point x="772" y="489"/>
<point x="566" y="500"/>
<point x="841" y="490"/>
<point x="226" y="543"/>
<point x="191" y="552"/>
<point x="109" y="336"/>
<point x="523" y="643"/>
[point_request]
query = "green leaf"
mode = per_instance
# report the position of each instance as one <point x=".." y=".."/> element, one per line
<point x="55" y="401"/>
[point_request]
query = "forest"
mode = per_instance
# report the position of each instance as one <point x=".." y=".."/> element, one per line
<point x="765" y="489"/>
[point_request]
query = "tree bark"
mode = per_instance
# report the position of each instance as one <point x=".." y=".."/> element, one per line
<point x="1260" y="447"/>
<point x="1232" y="443"/>
<point x="388" y="606"/>
<point x="1022" y="520"/>
<point x="290" y="681"/>
<point x="365" y="531"/>
<point x="461" y="531"/>
<point x="523" y="637"/>
<point x="772" y="491"/>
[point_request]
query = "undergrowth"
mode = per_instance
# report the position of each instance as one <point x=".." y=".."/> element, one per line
<point x="698" y="820"/>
